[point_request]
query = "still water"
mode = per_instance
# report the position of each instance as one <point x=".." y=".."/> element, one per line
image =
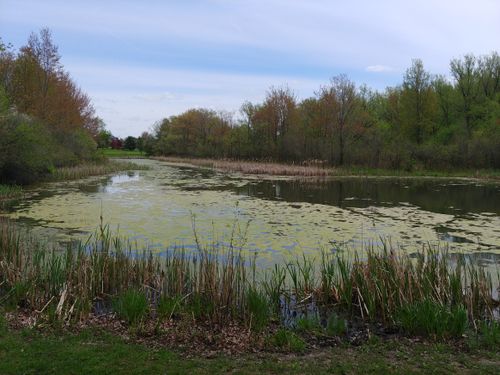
<point x="277" y="218"/>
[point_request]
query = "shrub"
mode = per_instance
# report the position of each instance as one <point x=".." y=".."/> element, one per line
<point x="131" y="306"/>
<point x="25" y="149"/>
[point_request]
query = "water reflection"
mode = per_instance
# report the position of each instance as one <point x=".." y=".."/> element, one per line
<point x="430" y="195"/>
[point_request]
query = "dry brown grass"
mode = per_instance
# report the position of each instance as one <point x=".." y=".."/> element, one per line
<point x="307" y="169"/>
<point x="91" y="169"/>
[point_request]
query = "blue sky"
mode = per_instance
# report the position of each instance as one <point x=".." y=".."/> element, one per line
<point x="141" y="61"/>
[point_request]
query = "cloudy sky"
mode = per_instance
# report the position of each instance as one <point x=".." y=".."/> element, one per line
<point x="141" y="61"/>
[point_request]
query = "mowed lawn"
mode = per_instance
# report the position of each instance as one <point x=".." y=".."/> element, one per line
<point x="91" y="352"/>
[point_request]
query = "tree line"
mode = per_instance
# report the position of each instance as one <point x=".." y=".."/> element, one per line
<point x="46" y="120"/>
<point x="428" y="121"/>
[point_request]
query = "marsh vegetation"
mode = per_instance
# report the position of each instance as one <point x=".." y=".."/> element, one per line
<point x="431" y="294"/>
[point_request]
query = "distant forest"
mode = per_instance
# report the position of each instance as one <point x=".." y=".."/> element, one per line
<point x="427" y="122"/>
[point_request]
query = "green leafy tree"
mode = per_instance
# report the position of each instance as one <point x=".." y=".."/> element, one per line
<point x="130" y="143"/>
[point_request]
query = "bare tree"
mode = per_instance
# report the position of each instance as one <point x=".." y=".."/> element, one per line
<point x="340" y="98"/>
<point x="489" y="74"/>
<point x="280" y="104"/>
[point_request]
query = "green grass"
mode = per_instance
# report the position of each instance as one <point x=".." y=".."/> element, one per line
<point x="167" y="307"/>
<point x="430" y="319"/>
<point x="288" y="341"/>
<point x="336" y="325"/>
<point x="91" y="352"/>
<point x="309" y="323"/>
<point x="113" y="153"/>
<point x="258" y="309"/>
<point x="8" y="191"/>
<point x="489" y="335"/>
<point x="131" y="306"/>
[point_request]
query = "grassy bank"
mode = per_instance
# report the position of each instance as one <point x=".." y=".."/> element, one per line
<point x="318" y="169"/>
<point x="115" y="153"/>
<point x="93" y="352"/>
<point x="295" y="306"/>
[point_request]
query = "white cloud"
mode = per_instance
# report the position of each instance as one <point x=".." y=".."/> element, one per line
<point x="131" y="99"/>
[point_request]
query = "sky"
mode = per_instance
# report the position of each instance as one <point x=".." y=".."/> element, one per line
<point x="141" y="61"/>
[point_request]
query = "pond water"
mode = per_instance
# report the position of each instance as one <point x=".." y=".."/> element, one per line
<point x="275" y="217"/>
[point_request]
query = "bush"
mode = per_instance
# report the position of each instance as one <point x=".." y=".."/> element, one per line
<point x="131" y="306"/>
<point x="25" y="149"/>
<point x="29" y="151"/>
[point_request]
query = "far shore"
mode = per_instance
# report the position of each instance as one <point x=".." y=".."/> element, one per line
<point x="317" y="170"/>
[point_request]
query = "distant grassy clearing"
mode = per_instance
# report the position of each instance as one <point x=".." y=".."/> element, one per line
<point x="113" y="153"/>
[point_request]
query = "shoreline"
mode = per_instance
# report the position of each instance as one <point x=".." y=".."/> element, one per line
<point x="275" y="169"/>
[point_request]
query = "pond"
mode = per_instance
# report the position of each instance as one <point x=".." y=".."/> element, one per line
<point x="276" y="217"/>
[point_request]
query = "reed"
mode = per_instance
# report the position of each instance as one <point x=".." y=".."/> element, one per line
<point x="92" y="169"/>
<point x="216" y="284"/>
<point x="254" y="167"/>
<point x="8" y="194"/>
<point x="10" y="191"/>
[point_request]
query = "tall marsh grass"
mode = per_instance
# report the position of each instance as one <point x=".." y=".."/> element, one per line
<point x="254" y="167"/>
<point x="8" y="193"/>
<point x="92" y="169"/>
<point x="218" y="285"/>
